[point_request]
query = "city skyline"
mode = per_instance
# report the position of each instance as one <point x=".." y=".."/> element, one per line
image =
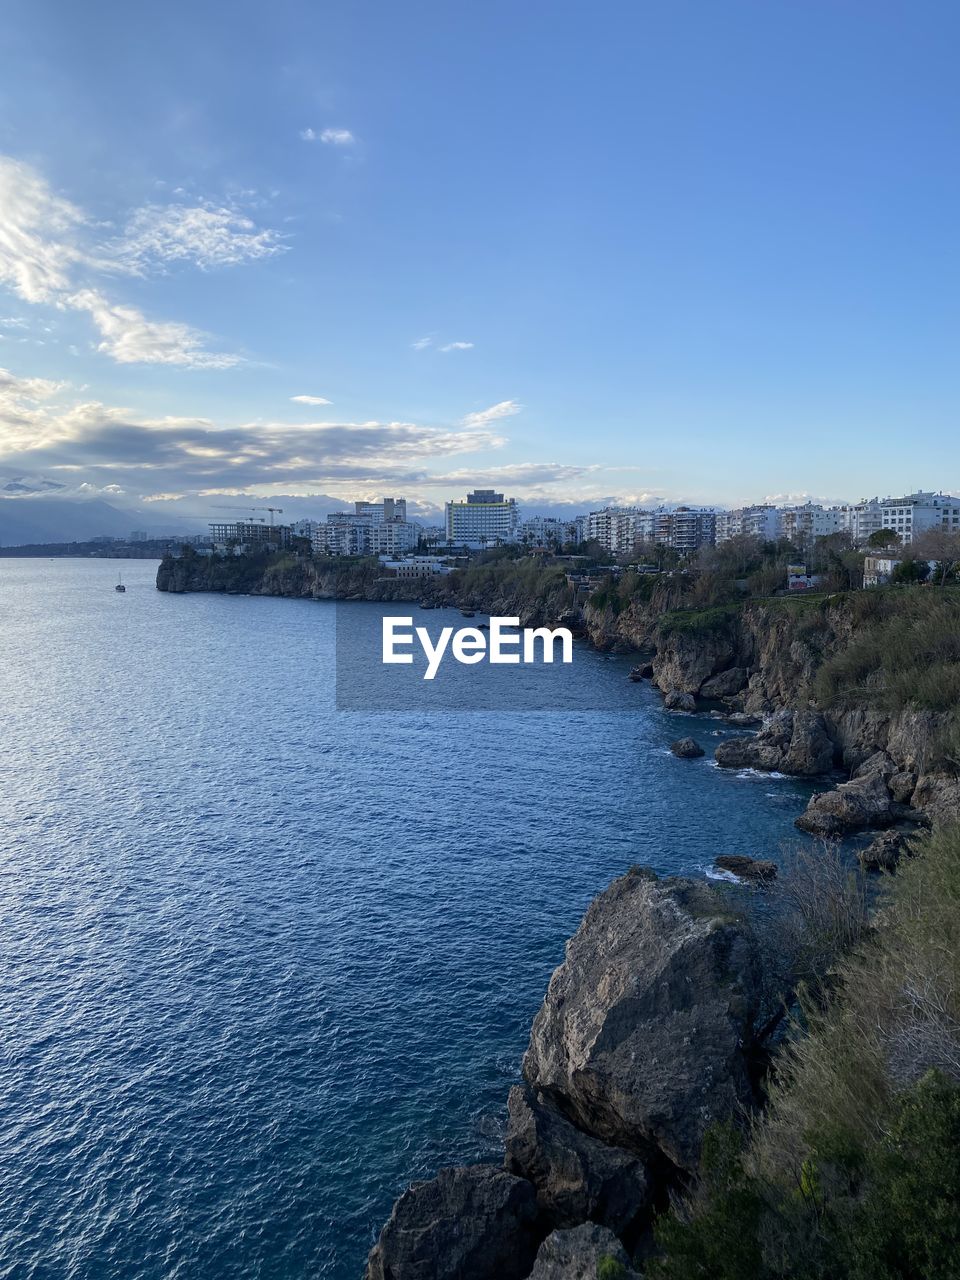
<point x="631" y="285"/>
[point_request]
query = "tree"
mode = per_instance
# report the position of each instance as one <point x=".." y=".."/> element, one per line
<point x="942" y="545"/>
<point x="884" y="538"/>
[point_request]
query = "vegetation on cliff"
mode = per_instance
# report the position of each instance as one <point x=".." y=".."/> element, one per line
<point x="853" y="1170"/>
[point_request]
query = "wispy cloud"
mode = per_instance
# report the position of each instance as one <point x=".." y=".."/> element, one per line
<point x="310" y="400"/>
<point x="331" y="137"/>
<point x="457" y="346"/>
<point x="421" y="344"/>
<point x="204" y="235"/>
<point x="50" y="255"/>
<point x="505" y="409"/>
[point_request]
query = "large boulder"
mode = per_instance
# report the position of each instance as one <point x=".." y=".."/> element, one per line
<point x="884" y="852"/>
<point x="473" y="1223"/>
<point x="584" y="1253"/>
<point x="577" y="1177"/>
<point x="937" y="796"/>
<point x="857" y="805"/>
<point x="646" y="1030"/>
<point x="794" y="742"/>
<point x="679" y="700"/>
<point x="687" y="748"/>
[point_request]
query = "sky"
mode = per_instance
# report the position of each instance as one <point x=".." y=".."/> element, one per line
<point x="640" y="251"/>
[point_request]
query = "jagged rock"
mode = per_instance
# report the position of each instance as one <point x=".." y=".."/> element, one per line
<point x="879" y="762"/>
<point x="901" y="786"/>
<point x="884" y="852"/>
<point x="642" y="671"/>
<point x="726" y="683"/>
<point x="678" y="700"/>
<point x="473" y="1223"/>
<point x="576" y="1176"/>
<point x="794" y="742"/>
<point x="578" y="1254"/>
<point x="853" y="806"/>
<point x="937" y="795"/>
<point x="646" y="1028"/>
<point x="744" y="718"/>
<point x="687" y="748"/>
<point x="747" y="868"/>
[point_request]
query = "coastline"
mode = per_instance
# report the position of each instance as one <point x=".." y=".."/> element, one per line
<point x="595" y="1148"/>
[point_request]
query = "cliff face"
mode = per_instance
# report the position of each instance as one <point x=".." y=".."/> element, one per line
<point x="644" y="1039"/>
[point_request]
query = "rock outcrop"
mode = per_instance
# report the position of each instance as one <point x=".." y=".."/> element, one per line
<point x="725" y="684"/>
<point x="577" y="1177"/>
<point x="646" y="1030"/>
<point x="858" y="805"/>
<point x="687" y="748"/>
<point x="583" y="1253"/>
<point x="739" y="864"/>
<point x="474" y="1223"/>
<point x="794" y="742"/>
<point x="679" y="700"/>
<point x="884" y="852"/>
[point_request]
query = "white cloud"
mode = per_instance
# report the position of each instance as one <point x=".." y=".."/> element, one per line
<point x="331" y="137"/>
<point x="204" y="235"/>
<point x="457" y="346"/>
<point x="505" y="409"/>
<point x="310" y="400"/>
<point x="48" y="256"/>
<point x="337" y="137"/>
<point x="421" y="344"/>
<point x="130" y="338"/>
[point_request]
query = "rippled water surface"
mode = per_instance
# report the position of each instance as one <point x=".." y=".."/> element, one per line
<point x="263" y="962"/>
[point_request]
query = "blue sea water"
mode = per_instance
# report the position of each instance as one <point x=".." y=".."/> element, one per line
<point x="263" y="962"/>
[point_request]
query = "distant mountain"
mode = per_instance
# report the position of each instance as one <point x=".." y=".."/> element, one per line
<point x="24" y="520"/>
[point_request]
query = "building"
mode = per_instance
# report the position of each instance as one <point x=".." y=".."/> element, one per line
<point x="139" y="535"/>
<point x="761" y="522"/>
<point x="250" y="535"/>
<point x="370" y="529"/>
<point x="685" y="529"/>
<point x="618" y="529"/>
<point x="418" y="566"/>
<point x="804" y="524"/>
<point x="908" y="516"/>
<point x="548" y="531"/>
<point x="483" y="519"/>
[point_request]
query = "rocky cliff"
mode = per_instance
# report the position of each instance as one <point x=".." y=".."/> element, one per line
<point x="647" y="1036"/>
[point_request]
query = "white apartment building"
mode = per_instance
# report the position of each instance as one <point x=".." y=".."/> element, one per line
<point x="372" y="528"/>
<point x="618" y="529"/>
<point x="761" y="522"/>
<point x="907" y="516"/>
<point x="483" y="518"/>
<point x="804" y="524"/>
<point x="418" y="566"/>
<point x="549" y="531"/>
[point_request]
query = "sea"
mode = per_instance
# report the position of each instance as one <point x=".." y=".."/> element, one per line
<point x="264" y="960"/>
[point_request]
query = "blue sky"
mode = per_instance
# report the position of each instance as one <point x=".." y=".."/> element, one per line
<point x="689" y="251"/>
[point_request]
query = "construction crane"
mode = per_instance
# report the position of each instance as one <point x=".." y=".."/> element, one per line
<point x="273" y="511"/>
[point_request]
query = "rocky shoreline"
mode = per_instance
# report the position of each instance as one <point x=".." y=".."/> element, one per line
<point x="657" y="1024"/>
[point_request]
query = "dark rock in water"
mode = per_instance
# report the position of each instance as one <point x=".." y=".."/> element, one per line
<point x="794" y="742"/>
<point x="726" y="683"/>
<point x="576" y="1176"/>
<point x="578" y="1254"/>
<point x="687" y="748"/>
<point x="678" y="700"/>
<point x="747" y="868"/>
<point x="473" y="1223"/>
<point x="853" y="806"/>
<point x="884" y="852"/>
<point x="646" y="1031"/>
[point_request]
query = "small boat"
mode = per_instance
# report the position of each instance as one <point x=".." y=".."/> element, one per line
<point x="120" y="586"/>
